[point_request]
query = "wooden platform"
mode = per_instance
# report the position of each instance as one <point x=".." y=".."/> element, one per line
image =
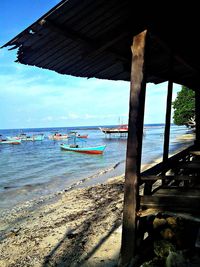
<point x="173" y="199"/>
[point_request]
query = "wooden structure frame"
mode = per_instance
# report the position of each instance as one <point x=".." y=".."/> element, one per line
<point x="93" y="39"/>
<point x="134" y="204"/>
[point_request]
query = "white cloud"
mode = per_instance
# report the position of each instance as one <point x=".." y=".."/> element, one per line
<point x="48" y="118"/>
<point x="73" y="116"/>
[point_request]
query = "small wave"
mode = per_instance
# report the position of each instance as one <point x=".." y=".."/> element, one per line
<point x="98" y="174"/>
<point x="33" y="203"/>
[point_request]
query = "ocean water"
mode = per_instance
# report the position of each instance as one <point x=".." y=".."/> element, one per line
<point x="35" y="169"/>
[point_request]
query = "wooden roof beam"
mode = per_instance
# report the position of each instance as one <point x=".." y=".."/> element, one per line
<point x="176" y="56"/>
<point x="87" y="42"/>
<point x="65" y="31"/>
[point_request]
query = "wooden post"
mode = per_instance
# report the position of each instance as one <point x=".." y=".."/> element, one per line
<point x="134" y="145"/>
<point x="167" y="122"/>
<point x="197" y="117"/>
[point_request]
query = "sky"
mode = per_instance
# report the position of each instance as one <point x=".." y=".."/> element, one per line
<point x="31" y="97"/>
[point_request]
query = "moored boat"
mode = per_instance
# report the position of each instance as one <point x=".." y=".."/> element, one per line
<point x="25" y="137"/>
<point x="58" y="136"/>
<point x="82" y="136"/>
<point x="120" y="129"/>
<point x="86" y="150"/>
<point x="11" y="141"/>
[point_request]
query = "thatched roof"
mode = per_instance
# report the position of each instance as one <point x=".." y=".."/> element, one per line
<point x="93" y="38"/>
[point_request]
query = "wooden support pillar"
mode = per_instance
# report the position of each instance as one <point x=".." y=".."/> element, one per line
<point x="134" y="147"/>
<point x="197" y="117"/>
<point x="167" y="122"/>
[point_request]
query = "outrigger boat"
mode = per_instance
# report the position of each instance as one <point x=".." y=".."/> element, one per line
<point x="86" y="150"/>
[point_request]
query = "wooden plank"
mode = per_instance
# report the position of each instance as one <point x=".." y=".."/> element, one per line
<point x="160" y="167"/>
<point x="178" y="191"/>
<point x="172" y="203"/>
<point x="167" y="120"/>
<point x="169" y="177"/>
<point x="133" y="158"/>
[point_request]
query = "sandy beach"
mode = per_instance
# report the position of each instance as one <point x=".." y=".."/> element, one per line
<point x="81" y="227"/>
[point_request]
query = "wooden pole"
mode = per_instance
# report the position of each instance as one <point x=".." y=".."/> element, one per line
<point x="197" y="117"/>
<point x="134" y="147"/>
<point x="167" y="122"/>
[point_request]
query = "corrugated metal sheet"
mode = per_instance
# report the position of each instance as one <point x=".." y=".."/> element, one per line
<point x="93" y="38"/>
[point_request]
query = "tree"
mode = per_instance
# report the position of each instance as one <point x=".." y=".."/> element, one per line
<point x="184" y="107"/>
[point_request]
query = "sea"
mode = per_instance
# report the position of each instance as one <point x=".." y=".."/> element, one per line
<point x="33" y="170"/>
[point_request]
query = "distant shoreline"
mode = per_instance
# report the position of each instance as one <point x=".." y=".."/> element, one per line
<point x="87" y="127"/>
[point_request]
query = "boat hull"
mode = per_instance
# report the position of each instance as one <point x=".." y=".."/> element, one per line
<point x="82" y="136"/>
<point x="58" y="137"/>
<point x="23" y="137"/>
<point x="118" y="130"/>
<point x="86" y="150"/>
<point x="11" y="142"/>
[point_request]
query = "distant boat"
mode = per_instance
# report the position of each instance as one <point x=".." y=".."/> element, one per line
<point x="86" y="150"/>
<point x="11" y="141"/>
<point x="25" y="137"/>
<point x="75" y="134"/>
<point x="82" y="136"/>
<point x="118" y="130"/>
<point x="58" y="136"/>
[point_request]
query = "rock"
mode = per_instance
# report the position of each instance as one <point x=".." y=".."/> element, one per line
<point x="157" y="222"/>
<point x="172" y="222"/>
<point x="162" y="248"/>
<point x="176" y="259"/>
<point x="167" y="233"/>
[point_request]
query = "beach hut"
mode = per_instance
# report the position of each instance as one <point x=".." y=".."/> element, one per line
<point x="136" y="41"/>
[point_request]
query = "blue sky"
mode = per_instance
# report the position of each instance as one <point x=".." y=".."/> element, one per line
<point x="31" y="97"/>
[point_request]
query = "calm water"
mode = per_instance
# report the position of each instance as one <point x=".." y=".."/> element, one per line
<point x="34" y="169"/>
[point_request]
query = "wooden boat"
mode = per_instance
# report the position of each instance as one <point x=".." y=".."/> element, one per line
<point x="117" y="130"/>
<point x="36" y="137"/>
<point x="86" y="150"/>
<point x="74" y="134"/>
<point x="11" y="141"/>
<point x="82" y="136"/>
<point x="25" y="137"/>
<point x="58" y="136"/>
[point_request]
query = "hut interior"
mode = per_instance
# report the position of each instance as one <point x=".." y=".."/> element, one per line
<point x="140" y="42"/>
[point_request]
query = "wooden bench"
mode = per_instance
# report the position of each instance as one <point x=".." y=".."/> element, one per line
<point x="184" y="197"/>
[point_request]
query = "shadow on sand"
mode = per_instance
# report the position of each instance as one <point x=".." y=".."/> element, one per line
<point x="77" y="245"/>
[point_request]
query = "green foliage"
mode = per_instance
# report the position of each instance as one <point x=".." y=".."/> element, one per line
<point x="184" y="106"/>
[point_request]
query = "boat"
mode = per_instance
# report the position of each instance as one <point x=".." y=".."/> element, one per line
<point x="25" y="137"/>
<point x="35" y="137"/>
<point x="121" y="129"/>
<point x="82" y="136"/>
<point x="11" y="141"/>
<point x="58" y="136"/>
<point x="38" y="137"/>
<point x="86" y="150"/>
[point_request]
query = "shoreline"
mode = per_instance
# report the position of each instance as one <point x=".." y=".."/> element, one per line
<point x="69" y="231"/>
<point x="78" y="227"/>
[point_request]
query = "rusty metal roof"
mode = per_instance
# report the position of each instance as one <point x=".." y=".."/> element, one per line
<point x="93" y="38"/>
